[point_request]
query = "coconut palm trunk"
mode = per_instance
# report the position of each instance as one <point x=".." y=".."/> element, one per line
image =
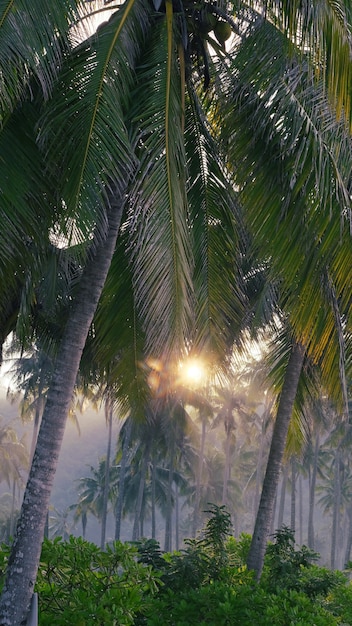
<point x="108" y="417"/>
<point x="25" y="553"/>
<point x="198" y="492"/>
<point x="257" y="549"/>
<point x="122" y="477"/>
<point x="136" y="532"/>
<point x="153" y="494"/>
<point x="300" y="514"/>
<point x="229" y="427"/>
<point x="280" y="516"/>
<point x="336" y="510"/>
<point x="169" y="500"/>
<point x="293" y="493"/>
<point x="312" y="485"/>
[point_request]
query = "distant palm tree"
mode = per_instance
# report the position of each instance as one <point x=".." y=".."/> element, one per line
<point x="60" y="524"/>
<point x="91" y="490"/>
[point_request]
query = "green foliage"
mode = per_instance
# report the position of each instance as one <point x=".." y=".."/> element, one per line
<point x="207" y="583"/>
<point x="76" y="578"/>
<point x="203" y="559"/>
<point x="220" y="604"/>
<point x="149" y="553"/>
<point x="284" y="564"/>
<point x="339" y="602"/>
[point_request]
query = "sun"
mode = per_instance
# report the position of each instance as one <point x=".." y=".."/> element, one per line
<point x="192" y="372"/>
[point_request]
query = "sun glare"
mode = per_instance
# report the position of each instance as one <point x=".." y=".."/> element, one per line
<point x="192" y="372"/>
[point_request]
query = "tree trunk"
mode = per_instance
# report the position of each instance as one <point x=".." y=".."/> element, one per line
<point x="139" y="503"/>
<point x="12" y="514"/>
<point x="153" y="495"/>
<point x="300" y="492"/>
<point x="168" y="516"/>
<point x="84" y="524"/>
<point x="272" y="475"/>
<point x="26" y="548"/>
<point x="228" y="432"/>
<point x="293" y="494"/>
<point x="336" y="510"/>
<point x="272" y="525"/>
<point x="38" y="412"/>
<point x="199" y="478"/>
<point x="123" y="468"/>
<point x="261" y="452"/>
<point x="312" y="484"/>
<point x="280" y="517"/>
<point x="104" y="516"/>
<point x="177" y="520"/>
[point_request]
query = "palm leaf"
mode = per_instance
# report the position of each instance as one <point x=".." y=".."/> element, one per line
<point x="322" y="31"/>
<point x="160" y="242"/>
<point x="32" y="42"/>
<point x="214" y="219"/>
<point x="83" y="125"/>
<point x="292" y="162"/>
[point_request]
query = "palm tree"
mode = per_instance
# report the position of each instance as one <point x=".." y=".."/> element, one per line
<point x="307" y="316"/>
<point x="127" y="156"/>
<point x="13" y="463"/>
<point x="59" y="524"/>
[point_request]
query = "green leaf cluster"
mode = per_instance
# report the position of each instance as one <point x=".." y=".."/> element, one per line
<point x="207" y="583"/>
<point x="77" y="581"/>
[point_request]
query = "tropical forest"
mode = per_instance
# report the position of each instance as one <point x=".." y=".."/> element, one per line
<point x="176" y="312"/>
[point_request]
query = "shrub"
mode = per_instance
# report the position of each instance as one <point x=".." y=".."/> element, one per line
<point x="78" y="583"/>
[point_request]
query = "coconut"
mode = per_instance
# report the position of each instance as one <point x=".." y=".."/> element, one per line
<point x="222" y="31"/>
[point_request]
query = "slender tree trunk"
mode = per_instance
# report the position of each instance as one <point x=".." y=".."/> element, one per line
<point x="84" y="524"/>
<point x="293" y="494"/>
<point x="312" y="485"/>
<point x="280" y="517"/>
<point x="260" y="461"/>
<point x="12" y="514"/>
<point x="108" y="415"/>
<point x="123" y="468"/>
<point x="228" y="431"/>
<point x="336" y="510"/>
<point x="272" y="525"/>
<point x="177" y="520"/>
<point x="139" y="503"/>
<point x="300" y="487"/>
<point x="272" y="475"/>
<point x="37" y="415"/>
<point x="26" y="548"/>
<point x="199" y="478"/>
<point x="153" y="496"/>
<point x="168" y="517"/>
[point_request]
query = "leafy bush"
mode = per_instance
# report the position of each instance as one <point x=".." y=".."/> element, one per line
<point x="203" y="559"/>
<point x="207" y="583"/>
<point x="283" y="563"/>
<point x="78" y="583"/>
<point x="220" y="604"/>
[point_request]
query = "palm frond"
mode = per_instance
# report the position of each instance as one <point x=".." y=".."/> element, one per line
<point x="83" y="126"/>
<point x="322" y="31"/>
<point x="292" y="161"/>
<point x="215" y="229"/>
<point x="33" y="40"/>
<point x="159" y="230"/>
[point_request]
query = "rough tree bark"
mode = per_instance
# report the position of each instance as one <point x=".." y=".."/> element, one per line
<point x="26" y="548"/>
<point x="261" y="531"/>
